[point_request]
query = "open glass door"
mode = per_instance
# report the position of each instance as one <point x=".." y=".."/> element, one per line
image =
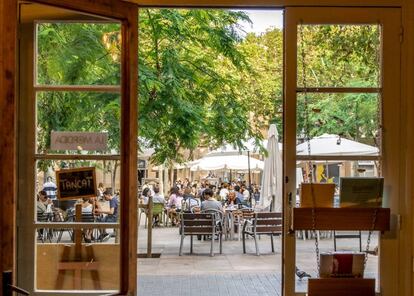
<point x="77" y="147"/>
<point x="342" y="98"/>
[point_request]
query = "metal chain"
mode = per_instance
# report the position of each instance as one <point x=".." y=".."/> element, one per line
<point x="307" y="139"/>
<point x="379" y="140"/>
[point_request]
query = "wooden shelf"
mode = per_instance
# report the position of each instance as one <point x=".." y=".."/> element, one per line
<point x="341" y="287"/>
<point x="341" y="219"/>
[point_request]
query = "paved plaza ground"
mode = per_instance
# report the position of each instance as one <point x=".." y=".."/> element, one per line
<point x="231" y="273"/>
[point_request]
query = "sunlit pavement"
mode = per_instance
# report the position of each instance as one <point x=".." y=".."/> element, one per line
<point x="231" y="273"/>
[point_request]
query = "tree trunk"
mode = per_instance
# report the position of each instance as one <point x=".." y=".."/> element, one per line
<point x="114" y="176"/>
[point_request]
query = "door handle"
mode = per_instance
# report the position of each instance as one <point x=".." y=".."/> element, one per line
<point x="18" y="290"/>
<point x="8" y="288"/>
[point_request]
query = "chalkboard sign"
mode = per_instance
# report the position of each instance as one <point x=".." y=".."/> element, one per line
<point x="76" y="183"/>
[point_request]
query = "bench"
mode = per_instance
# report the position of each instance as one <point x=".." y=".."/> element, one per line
<point x="265" y="223"/>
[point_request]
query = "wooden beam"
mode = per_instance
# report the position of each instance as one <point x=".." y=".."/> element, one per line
<point x="85" y="265"/>
<point x="341" y="287"/>
<point x="112" y="9"/>
<point x="341" y="219"/>
<point x="8" y="39"/>
<point x="264" y="3"/>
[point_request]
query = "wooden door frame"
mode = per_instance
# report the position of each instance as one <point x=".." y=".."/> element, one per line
<point x="127" y="14"/>
<point x="8" y="118"/>
<point x="390" y="20"/>
<point x="8" y="40"/>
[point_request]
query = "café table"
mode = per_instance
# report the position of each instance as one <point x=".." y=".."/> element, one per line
<point x="234" y="215"/>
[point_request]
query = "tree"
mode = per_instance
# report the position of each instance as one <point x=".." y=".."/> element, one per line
<point x="75" y="54"/>
<point x="340" y="56"/>
<point x="182" y="85"/>
<point x="202" y="83"/>
<point x="262" y="88"/>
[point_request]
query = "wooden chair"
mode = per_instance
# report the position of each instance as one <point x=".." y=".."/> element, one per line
<point x="262" y="224"/>
<point x="199" y="224"/>
<point x="343" y="235"/>
<point x="70" y="217"/>
<point x="89" y="218"/>
<point x="44" y="233"/>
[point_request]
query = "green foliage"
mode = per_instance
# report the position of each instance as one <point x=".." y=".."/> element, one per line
<point x="262" y="89"/>
<point x="201" y="83"/>
<point x="339" y="56"/>
<point x="75" y="54"/>
<point x="184" y="87"/>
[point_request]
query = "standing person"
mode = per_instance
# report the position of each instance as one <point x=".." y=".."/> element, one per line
<point x="50" y="188"/>
<point x="111" y="214"/>
<point x="256" y="193"/>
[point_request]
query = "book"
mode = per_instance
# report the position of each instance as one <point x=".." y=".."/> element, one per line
<point x="361" y="192"/>
<point x="323" y="193"/>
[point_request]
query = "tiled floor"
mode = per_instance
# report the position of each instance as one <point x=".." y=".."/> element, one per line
<point x="231" y="273"/>
<point x="227" y="284"/>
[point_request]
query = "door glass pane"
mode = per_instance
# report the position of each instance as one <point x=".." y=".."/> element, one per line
<point x="58" y="260"/>
<point x="331" y="172"/>
<point x="338" y="55"/>
<point x="75" y="57"/>
<point x="339" y="124"/>
<point x="59" y="266"/>
<point x="92" y="120"/>
<point x="70" y="53"/>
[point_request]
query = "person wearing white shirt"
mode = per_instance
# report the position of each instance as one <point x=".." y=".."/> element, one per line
<point x="246" y="193"/>
<point x="224" y="192"/>
<point x="158" y="198"/>
<point x="50" y="188"/>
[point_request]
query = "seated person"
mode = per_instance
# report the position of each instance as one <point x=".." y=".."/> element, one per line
<point x="158" y="198"/>
<point x="87" y="209"/>
<point x="209" y="202"/>
<point x="43" y="204"/>
<point x="239" y="194"/>
<point x="145" y="196"/>
<point x="190" y="200"/>
<point x="232" y="199"/>
<point x="112" y="213"/>
<point x="174" y="205"/>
